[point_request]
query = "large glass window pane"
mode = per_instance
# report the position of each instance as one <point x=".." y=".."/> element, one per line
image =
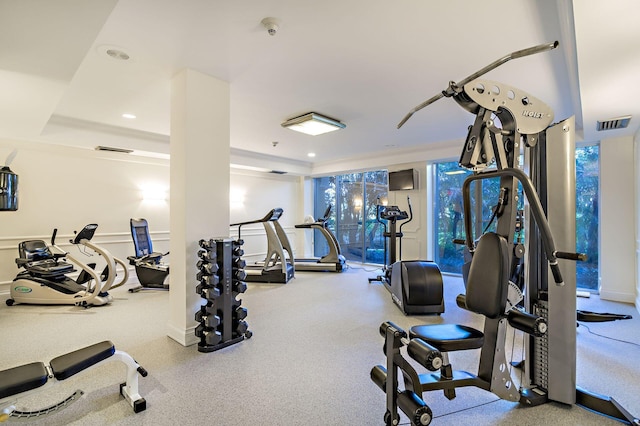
<point x="375" y="191"/>
<point x="349" y="203"/>
<point x="324" y="196"/>
<point x="587" y="183"/>
<point x="353" y="218"/>
<point x="448" y="219"/>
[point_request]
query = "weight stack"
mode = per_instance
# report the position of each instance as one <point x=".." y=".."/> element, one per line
<point x="220" y="280"/>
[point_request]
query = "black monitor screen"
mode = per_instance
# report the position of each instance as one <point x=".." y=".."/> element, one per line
<point x="403" y="180"/>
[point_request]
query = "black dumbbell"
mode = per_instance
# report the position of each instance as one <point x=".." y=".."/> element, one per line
<point x="239" y="286"/>
<point x="240" y="313"/>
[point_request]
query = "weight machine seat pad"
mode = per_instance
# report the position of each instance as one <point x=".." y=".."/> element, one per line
<point x="488" y="278"/>
<point x="21" y="379"/>
<point x="448" y="337"/>
<point x="69" y="364"/>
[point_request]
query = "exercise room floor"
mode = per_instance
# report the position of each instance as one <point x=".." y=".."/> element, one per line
<point x="314" y="343"/>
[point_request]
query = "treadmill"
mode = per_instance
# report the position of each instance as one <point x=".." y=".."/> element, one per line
<point x="277" y="268"/>
<point x="333" y="261"/>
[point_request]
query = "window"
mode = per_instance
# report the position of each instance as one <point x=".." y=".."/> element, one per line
<point x="353" y="217"/>
<point x="587" y="196"/>
<point x="448" y="220"/>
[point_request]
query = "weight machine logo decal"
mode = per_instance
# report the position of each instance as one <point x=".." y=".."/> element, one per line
<point x="532" y="114"/>
<point x="23" y="289"/>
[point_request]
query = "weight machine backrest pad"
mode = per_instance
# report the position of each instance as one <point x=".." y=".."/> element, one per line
<point x="487" y="282"/>
<point x="34" y="250"/>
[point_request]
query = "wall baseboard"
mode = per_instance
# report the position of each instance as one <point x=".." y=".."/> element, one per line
<point x="616" y="296"/>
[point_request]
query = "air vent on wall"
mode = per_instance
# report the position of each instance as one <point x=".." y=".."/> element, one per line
<point x="113" y="149"/>
<point x="278" y="172"/>
<point x="614" y="123"/>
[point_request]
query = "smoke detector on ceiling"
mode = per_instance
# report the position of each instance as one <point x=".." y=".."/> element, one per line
<point x="614" y="123"/>
<point x="271" y="24"/>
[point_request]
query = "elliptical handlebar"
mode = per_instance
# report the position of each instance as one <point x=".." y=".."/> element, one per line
<point x="410" y="214"/>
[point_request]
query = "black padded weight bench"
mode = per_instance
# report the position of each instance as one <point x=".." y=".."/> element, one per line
<point x="19" y="381"/>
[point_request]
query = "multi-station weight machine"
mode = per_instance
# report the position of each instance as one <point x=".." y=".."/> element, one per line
<point x="508" y="123"/>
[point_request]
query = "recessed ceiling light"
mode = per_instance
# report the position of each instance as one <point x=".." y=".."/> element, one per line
<point x="129" y="116"/>
<point x="311" y="154"/>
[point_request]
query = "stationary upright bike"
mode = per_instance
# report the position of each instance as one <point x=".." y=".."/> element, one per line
<point x="415" y="285"/>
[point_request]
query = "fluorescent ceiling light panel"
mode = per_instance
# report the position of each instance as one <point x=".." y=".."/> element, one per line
<point x="313" y="124"/>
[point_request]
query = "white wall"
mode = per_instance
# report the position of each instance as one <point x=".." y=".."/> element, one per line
<point x="617" y="220"/>
<point x="67" y="188"/>
<point x="415" y="233"/>
<point x="253" y="195"/>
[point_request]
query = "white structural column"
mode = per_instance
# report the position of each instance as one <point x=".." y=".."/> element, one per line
<point x="199" y="187"/>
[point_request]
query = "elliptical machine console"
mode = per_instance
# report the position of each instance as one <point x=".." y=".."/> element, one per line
<point x="394" y="213"/>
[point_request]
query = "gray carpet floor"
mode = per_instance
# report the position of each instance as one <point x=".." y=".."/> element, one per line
<point x="314" y="343"/>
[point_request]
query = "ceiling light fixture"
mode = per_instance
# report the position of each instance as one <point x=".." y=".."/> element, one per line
<point x="129" y="116"/>
<point x="313" y="124"/>
<point x="311" y="154"/>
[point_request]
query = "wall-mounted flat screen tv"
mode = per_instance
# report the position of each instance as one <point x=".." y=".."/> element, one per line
<point x="403" y="180"/>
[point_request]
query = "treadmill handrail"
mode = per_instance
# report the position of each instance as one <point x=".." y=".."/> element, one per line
<point x="274" y="214"/>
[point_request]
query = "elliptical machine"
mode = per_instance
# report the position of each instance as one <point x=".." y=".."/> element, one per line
<point x="416" y="285"/>
<point x="45" y="282"/>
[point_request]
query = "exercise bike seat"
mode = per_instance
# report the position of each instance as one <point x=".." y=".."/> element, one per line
<point x="23" y="378"/>
<point x="69" y="364"/>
